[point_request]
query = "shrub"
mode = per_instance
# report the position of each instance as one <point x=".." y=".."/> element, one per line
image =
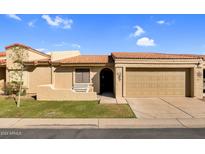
<point x="23" y="92"/>
<point x="8" y="89"/>
<point x="13" y="88"/>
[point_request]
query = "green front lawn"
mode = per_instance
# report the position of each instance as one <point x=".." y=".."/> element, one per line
<point x="63" y="109"/>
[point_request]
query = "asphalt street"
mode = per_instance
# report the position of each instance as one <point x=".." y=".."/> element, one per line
<point x="166" y="133"/>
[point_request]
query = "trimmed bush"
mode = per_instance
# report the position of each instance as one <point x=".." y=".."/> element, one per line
<point x="13" y="88"/>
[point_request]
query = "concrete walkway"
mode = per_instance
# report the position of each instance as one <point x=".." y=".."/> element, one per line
<point x="101" y="123"/>
<point x="108" y="98"/>
<point x="167" y="107"/>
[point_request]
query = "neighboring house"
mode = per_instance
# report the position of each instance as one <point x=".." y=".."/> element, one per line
<point x="2" y="70"/>
<point x="70" y="76"/>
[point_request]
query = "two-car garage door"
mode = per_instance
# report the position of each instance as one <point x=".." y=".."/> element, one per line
<point x="157" y="82"/>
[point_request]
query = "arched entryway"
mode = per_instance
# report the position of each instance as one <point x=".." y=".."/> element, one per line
<point x="106" y="80"/>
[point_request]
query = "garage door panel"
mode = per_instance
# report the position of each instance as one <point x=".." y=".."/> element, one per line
<point x="157" y="82"/>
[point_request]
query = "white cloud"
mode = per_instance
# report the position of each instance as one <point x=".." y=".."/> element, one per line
<point x="72" y="45"/>
<point x="76" y="46"/>
<point x="145" y="41"/>
<point x="58" y="21"/>
<point x="14" y="16"/>
<point x="139" y="31"/>
<point x="41" y="49"/>
<point x="163" y="22"/>
<point x="60" y="44"/>
<point x="31" y="23"/>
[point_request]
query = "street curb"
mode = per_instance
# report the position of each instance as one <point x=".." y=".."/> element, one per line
<point x="101" y="123"/>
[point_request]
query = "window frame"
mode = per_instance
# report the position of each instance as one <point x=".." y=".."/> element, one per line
<point x="79" y="70"/>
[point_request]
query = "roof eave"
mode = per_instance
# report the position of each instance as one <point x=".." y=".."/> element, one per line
<point x="82" y="64"/>
<point x="26" y="47"/>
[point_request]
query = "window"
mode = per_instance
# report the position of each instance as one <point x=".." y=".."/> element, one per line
<point x="82" y="76"/>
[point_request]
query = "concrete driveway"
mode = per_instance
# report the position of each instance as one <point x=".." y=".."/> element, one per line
<point x="167" y="107"/>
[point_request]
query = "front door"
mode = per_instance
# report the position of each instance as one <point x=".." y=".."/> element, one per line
<point x="106" y="80"/>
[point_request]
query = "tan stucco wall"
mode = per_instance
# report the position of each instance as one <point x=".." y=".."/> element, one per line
<point x="118" y="80"/>
<point x="29" y="55"/>
<point x="48" y="92"/>
<point x="38" y="76"/>
<point x="57" y="55"/>
<point x="64" y="77"/>
<point x="35" y="56"/>
<point x="197" y="82"/>
<point x="34" y="74"/>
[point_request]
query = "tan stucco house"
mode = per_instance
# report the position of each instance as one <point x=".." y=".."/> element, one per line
<point x="68" y="75"/>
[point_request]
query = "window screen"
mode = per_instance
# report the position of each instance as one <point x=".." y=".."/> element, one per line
<point x="82" y="76"/>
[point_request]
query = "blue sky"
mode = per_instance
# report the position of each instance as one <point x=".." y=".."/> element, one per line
<point x="102" y="34"/>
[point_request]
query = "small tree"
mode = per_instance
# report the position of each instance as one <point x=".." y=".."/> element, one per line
<point x="17" y="56"/>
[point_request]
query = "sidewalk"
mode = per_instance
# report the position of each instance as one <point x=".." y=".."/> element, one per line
<point x="101" y="123"/>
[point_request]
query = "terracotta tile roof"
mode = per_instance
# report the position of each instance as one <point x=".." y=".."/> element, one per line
<point x="144" y="55"/>
<point x="27" y="47"/>
<point x="203" y="56"/>
<point x="17" y="44"/>
<point x="2" y="54"/>
<point x="87" y="59"/>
